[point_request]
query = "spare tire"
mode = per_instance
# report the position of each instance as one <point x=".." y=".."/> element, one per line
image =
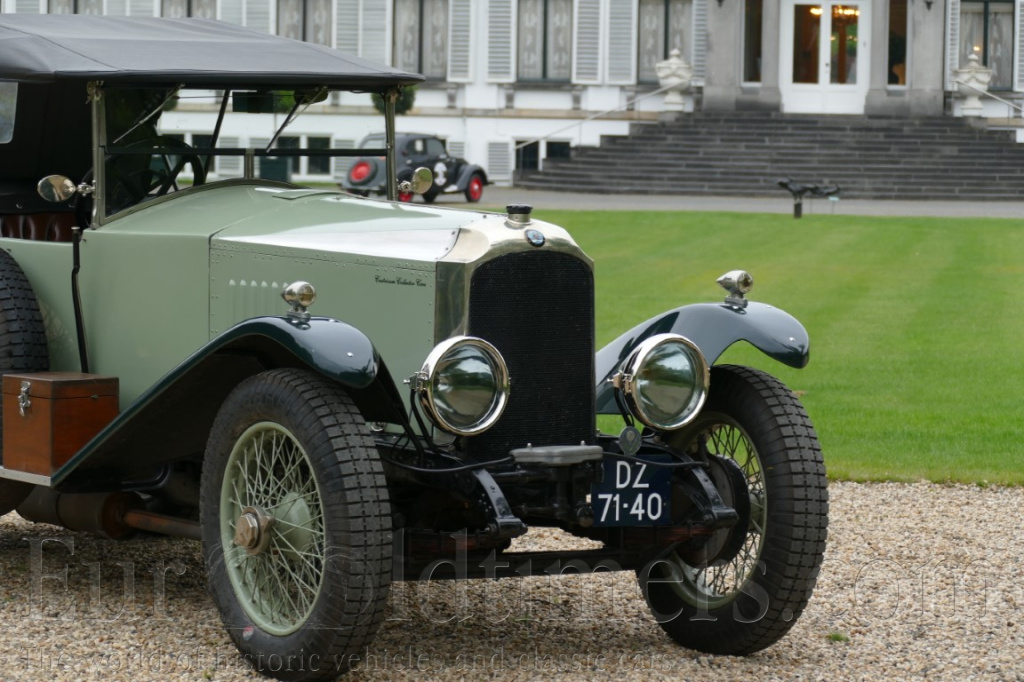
<point x="22" y="349"/>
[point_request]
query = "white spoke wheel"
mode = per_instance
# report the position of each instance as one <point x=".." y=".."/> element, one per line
<point x="296" y="525"/>
<point x="745" y="598"/>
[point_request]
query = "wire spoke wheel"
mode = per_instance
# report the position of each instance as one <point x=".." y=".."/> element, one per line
<point x="744" y="587"/>
<point x="710" y="584"/>
<point x="269" y="471"/>
<point x="296" y="525"/>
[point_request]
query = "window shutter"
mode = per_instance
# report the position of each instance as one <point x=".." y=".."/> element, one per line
<point x="699" y="58"/>
<point x="362" y="28"/>
<point x="456" y="149"/>
<point x="143" y="8"/>
<point x="115" y="8"/>
<point x="460" y="32"/>
<point x="229" y="166"/>
<point x="499" y="160"/>
<point x="374" y="33"/>
<point x="586" y="63"/>
<point x="501" y="31"/>
<point x="27" y="6"/>
<point x="952" y="41"/>
<point x="259" y="15"/>
<point x="622" y="41"/>
<point x="1018" y="76"/>
<point x="346" y="35"/>
<point x="231" y="11"/>
<point x="341" y="164"/>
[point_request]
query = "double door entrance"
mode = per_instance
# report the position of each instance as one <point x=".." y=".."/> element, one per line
<point x="824" y="56"/>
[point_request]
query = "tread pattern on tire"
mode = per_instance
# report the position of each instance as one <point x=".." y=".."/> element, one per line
<point x="359" y="496"/>
<point x="23" y="348"/>
<point x="797" y="525"/>
<point x="22" y="334"/>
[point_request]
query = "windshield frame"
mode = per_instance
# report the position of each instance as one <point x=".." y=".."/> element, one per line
<point x="9" y="102"/>
<point x="105" y="149"/>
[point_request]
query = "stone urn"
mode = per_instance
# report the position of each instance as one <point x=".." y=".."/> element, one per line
<point x="972" y="82"/>
<point x="676" y="74"/>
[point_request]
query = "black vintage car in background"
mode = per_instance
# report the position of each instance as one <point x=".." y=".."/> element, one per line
<point x="451" y="174"/>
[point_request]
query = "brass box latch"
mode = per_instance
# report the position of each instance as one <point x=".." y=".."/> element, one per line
<point x="24" y="402"/>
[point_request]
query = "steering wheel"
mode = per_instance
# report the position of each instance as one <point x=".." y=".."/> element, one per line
<point x="133" y="177"/>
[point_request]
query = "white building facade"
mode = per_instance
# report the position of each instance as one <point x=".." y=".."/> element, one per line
<point x="512" y="82"/>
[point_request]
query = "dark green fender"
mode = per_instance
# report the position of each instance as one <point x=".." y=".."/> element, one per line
<point x="172" y="420"/>
<point x="713" y="327"/>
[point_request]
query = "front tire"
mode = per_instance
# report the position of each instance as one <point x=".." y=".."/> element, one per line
<point x="296" y="525"/>
<point x="749" y="599"/>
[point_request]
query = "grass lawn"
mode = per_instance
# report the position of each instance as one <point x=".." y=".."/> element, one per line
<point x="916" y="324"/>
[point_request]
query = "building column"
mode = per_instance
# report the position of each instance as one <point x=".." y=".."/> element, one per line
<point x="725" y="45"/>
<point x="924" y="92"/>
<point x="766" y="95"/>
<point x="926" y="79"/>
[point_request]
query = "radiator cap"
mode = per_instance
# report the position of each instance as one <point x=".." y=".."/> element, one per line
<point x="518" y="215"/>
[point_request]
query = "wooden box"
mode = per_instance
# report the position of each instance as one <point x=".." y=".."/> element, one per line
<point x="49" y="416"/>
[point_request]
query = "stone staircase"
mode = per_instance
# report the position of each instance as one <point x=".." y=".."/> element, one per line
<point x="745" y="154"/>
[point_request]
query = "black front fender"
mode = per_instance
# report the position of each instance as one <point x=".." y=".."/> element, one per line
<point x="713" y="327"/>
<point x="466" y="173"/>
<point x="172" y="419"/>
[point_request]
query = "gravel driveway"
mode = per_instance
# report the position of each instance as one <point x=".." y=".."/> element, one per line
<point x="919" y="581"/>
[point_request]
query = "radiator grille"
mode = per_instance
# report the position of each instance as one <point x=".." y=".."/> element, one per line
<point x="537" y="308"/>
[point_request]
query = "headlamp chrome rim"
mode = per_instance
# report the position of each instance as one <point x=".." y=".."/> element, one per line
<point x="628" y="383"/>
<point x="426" y="386"/>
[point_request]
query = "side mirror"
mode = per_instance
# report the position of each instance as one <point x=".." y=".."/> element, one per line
<point x="56" y="188"/>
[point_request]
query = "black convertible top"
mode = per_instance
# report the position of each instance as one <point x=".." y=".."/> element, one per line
<point x="45" y="48"/>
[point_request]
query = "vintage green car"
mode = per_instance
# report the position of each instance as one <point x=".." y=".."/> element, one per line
<point x="427" y="391"/>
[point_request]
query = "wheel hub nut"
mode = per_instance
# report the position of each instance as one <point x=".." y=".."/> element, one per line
<point x="252" y="530"/>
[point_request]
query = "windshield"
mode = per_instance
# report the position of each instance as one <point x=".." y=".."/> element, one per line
<point x="8" y="105"/>
<point x="162" y="140"/>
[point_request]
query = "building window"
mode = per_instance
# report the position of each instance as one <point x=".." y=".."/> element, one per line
<point x="175" y="9"/>
<point x="318" y="165"/>
<point x="558" y="150"/>
<point x="204" y="9"/>
<point x="308" y="20"/>
<point x="897" y="42"/>
<point x="290" y="19"/>
<point x="986" y="29"/>
<point x="527" y="156"/>
<point x="753" y="20"/>
<point x="545" y="40"/>
<point x="532" y="156"/>
<point x="421" y="37"/>
<point x="664" y="26"/>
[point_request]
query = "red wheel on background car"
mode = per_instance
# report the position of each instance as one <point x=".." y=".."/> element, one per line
<point x="475" y="188"/>
<point x="360" y="171"/>
<point x="405" y="196"/>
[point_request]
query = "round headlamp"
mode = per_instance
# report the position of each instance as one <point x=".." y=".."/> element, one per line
<point x="664" y="381"/>
<point x="463" y="385"/>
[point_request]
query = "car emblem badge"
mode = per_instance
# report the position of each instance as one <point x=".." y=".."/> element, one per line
<point x="535" y="237"/>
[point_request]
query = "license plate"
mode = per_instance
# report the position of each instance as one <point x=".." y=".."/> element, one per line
<point x="633" y="494"/>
